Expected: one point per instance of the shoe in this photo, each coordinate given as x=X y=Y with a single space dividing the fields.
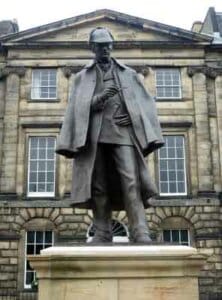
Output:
x=142 y=239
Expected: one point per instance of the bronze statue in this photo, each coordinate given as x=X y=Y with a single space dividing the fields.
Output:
x=109 y=127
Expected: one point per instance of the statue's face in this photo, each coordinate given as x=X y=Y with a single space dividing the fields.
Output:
x=102 y=51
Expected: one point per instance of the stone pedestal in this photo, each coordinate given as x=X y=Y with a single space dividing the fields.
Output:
x=118 y=272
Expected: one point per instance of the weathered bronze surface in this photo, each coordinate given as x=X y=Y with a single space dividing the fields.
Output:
x=109 y=126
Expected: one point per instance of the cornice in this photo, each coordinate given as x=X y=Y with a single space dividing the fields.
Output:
x=69 y=70
x=140 y=44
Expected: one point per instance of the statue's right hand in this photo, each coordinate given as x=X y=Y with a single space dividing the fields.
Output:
x=109 y=92
x=98 y=100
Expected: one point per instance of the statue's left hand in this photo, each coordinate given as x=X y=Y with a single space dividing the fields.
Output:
x=123 y=120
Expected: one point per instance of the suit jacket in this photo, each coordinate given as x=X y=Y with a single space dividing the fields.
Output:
x=74 y=142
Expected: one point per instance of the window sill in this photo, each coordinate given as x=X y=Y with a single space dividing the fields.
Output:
x=43 y=100
x=167 y=197
x=169 y=99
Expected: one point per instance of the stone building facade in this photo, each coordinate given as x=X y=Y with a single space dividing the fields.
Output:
x=181 y=68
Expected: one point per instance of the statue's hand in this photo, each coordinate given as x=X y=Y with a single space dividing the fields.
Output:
x=98 y=100
x=122 y=120
x=109 y=92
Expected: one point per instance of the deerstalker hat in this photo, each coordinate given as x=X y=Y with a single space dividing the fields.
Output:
x=100 y=35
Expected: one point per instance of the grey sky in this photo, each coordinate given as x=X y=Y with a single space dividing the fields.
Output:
x=173 y=12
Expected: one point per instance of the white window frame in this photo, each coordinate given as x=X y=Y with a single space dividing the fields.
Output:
x=178 y=229
x=33 y=97
x=168 y=86
x=28 y=286
x=184 y=169
x=39 y=194
x=116 y=239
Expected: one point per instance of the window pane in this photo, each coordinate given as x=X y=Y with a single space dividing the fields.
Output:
x=171 y=152
x=29 y=277
x=50 y=153
x=50 y=166
x=50 y=187
x=42 y=165
x=166 y=236
x=42 y=153
x=175 y=235
x=33 y=154
x=50 y=176
x=48 y=237
x=172 y=164
x=173 y=188
x=33 y=166
x=41 y=188
x=163 y=164
x=38 y=249
x=32 y=187
x=164 y=187
x=30 y=236
x=34 y=143
x=172 y=176
x=29 y=268
x=184 y=236
x=181 y=187
x=51 y=142
x=171 y=141
x=163 y=152
x=39 y=237
x=163 y=176
x=30 y=249
x=33 y=177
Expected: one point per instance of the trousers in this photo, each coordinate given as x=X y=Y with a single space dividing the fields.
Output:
x=124 y=158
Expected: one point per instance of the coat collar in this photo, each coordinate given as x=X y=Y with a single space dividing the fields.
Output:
x=92 y=63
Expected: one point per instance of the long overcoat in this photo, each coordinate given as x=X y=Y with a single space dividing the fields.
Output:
x=75 y=142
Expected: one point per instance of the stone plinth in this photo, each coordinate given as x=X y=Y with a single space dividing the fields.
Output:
x=118 y=272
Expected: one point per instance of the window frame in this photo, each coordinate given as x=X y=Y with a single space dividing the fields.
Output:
x=28 y=286
x=39 y=194
x=165 y=86
x=116 y=238
x=178 y=229
x=173 y=133
x=47 y=99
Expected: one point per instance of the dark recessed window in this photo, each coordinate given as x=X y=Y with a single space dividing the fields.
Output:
x=178 y=236
x=35 y=242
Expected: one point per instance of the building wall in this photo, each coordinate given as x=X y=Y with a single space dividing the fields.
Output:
x=198 y=116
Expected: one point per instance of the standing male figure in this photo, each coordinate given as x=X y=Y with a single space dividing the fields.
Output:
x=109 y=126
